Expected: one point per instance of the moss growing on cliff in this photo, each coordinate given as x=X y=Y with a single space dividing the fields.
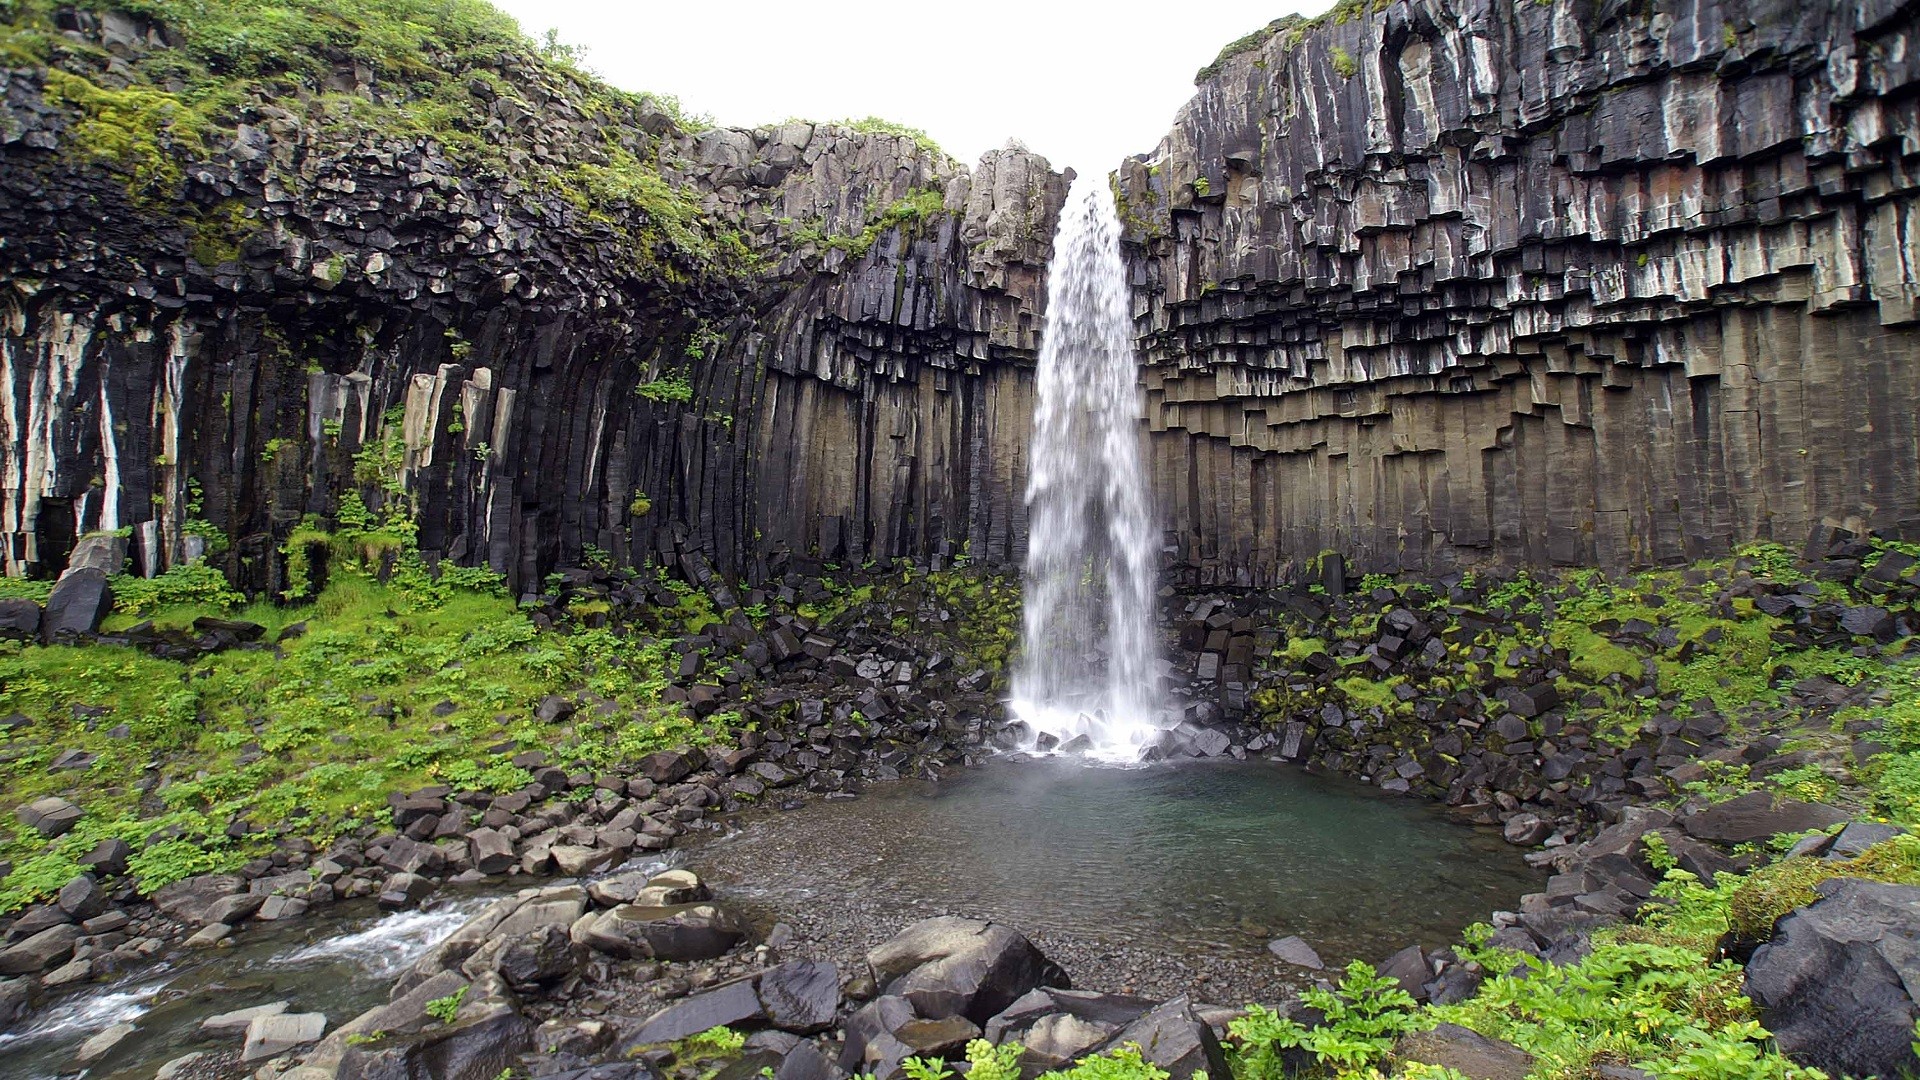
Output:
x=913 y=209
x=157 y=85
x=144 y=132
x=874 y=125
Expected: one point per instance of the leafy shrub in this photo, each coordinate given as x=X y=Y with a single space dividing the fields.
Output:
x=13 y=588
x=192 y=584
x=1897 y=789
x=672 y=386
x=1775 y=562
x=1365 y=1015
x=1649 y=1004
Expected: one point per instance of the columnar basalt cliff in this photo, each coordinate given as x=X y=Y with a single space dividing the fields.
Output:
x=621 y=332
x=1433 y=284
x=1440 y=284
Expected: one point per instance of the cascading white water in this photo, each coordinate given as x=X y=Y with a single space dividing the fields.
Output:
x=1088 y=661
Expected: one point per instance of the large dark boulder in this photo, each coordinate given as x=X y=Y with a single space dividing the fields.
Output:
x=191 y=899
x=1756 y=816
x=1175 y=1039
x=79 y=601
x=19 y=619
x=39 y=952
x=735 y=1003
x=950 y=966
x=527 y=960
x=802 y=995
x=50 y=816
x=699 y=931
x=484 y=1044
x=1838 y=982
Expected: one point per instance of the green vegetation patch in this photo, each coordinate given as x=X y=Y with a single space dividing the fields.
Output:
x=421 y=70
x=391 y=687
x=909 y=211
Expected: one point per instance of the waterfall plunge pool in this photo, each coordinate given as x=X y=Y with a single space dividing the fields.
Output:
x=1161 y=880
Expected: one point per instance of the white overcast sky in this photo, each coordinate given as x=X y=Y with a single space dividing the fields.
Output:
x=1085 y=84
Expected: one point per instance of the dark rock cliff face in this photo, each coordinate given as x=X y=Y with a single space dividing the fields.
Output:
x=852 y=387
x=1444 y=283
x=1436 y=284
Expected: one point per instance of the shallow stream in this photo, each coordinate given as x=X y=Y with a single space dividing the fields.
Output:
x=338 y=962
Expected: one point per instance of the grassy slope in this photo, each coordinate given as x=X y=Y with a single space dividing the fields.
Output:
x=390 y=688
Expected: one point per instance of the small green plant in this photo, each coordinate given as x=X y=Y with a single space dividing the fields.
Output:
x=1123 y=1063
x=446 y=1008
x=1808 y=783
x=639 y=505
x=702 y=343
x=671 y=386
x=986 y=1061
x=719 y=1041
x=919 y=1068
x=1343 y=63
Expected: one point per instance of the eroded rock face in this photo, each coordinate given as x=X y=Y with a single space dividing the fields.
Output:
x=1446 y=284
x=845 y=388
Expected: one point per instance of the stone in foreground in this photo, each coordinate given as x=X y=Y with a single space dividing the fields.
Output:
x=1466 y=1051
x=1837 y=983
x=1172 y=1037
x=949 y=966
x=801 y=996
x=681 y=932
x=273 y=1034
x=1294 y=950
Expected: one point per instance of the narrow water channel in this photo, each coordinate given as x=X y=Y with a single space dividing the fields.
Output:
x=338 y=963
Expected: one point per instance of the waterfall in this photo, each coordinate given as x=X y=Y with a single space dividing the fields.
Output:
x=1088 y=665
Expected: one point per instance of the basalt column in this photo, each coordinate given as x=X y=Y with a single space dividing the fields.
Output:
x=1439 y=284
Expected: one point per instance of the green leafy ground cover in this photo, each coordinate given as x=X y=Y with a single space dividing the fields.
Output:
x=392 y=686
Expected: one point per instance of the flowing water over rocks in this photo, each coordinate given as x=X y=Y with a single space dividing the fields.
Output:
x=339 y=965
x=1162 y=880
x=1091 y=554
